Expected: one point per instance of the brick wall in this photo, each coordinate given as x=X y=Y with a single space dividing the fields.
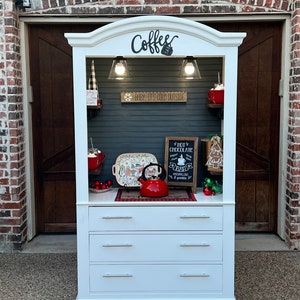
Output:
x=13 y=217
x=148 y=7
x=293 y=160
x=12 y=167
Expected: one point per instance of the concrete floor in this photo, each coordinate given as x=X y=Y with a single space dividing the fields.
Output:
x=259 y=242
x=57 y=243
x=52 y=243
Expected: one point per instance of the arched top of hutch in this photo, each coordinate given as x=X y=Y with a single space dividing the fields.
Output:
x=146 y=36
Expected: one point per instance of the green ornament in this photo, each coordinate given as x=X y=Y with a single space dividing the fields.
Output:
x=208 y=181
x=216 y=188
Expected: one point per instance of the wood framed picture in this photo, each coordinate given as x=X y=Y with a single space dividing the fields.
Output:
x=181 y=160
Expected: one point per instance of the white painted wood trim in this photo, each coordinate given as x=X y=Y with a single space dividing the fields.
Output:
x=137 y=25
x=283 y=140
x=27 y=98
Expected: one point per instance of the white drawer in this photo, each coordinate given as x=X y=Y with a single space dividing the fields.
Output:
x=155 y=278
x=166 y=248
x=155 y=218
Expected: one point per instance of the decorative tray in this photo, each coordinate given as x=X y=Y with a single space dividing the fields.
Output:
x=129 y=167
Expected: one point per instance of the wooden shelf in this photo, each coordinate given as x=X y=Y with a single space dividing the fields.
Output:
x=218 y=108
x=215 y=172
x=92 y=110
x=94 y=107
x=214 y=105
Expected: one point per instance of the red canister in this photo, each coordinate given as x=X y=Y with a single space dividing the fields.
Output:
x=93 y=162
x=216 y=96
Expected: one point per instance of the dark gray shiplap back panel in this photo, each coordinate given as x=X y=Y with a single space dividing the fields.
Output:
x=142 y=127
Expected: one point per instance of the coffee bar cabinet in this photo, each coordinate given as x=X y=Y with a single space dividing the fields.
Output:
x=155 y=250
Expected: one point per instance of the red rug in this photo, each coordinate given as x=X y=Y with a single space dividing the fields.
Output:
x=126 y=195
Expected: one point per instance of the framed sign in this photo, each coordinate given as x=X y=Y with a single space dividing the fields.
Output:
x=181 y=160
x=134 y=97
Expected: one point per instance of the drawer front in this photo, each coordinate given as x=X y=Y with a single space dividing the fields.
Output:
x=152 y=278
x=166 y=248
x=155 y=218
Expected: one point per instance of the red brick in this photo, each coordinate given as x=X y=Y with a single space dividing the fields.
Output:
x=10 y=205
x=9 y=221
x=4 y=181
x=168 y=10
x=129 y=2
x=5 y=229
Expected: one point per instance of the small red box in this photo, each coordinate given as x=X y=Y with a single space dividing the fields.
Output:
x=216 y=96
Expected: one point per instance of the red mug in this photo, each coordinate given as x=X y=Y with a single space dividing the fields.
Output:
x=216 y=96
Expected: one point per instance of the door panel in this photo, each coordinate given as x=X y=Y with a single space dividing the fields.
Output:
x=258 y=131
x=257 y=125
x=53 y=129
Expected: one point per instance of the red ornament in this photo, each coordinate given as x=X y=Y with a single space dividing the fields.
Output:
x=96 y=185
x=104 y=186
x=109 y=182
x=207 y=191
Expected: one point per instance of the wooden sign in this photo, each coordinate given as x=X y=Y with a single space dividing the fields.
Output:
x=91 y=97
x=134 y=97
x=181 y=160
x=215 y=155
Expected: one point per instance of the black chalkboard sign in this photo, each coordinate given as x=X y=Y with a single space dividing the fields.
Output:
x=181 y=160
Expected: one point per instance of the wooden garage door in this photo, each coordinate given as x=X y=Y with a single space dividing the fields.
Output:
x=257 y=125
x=53 y=129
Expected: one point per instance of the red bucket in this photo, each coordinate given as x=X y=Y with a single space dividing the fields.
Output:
x=95 y=162
x=216 y=96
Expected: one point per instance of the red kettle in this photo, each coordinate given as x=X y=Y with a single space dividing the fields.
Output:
x=155 y=187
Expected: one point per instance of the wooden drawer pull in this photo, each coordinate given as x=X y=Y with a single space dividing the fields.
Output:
x=203 y=275
x=195 y=217
x=116 y=245
x=117 y=275
x=195 y=245
x=116 y=217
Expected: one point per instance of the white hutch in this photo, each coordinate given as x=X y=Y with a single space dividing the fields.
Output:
x=155 y=250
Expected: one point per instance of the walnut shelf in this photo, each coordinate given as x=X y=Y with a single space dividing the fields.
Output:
x=214 y=105
x=93 y=110
x=219 y=108
x=94 y=106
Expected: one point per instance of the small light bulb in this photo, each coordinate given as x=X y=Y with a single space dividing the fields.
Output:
x=189 y=68
x=120 y=69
